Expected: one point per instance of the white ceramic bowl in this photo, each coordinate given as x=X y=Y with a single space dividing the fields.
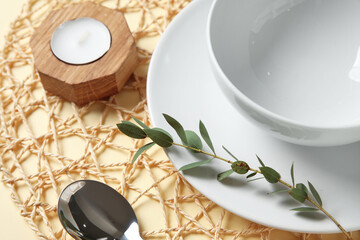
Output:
x=291 y=66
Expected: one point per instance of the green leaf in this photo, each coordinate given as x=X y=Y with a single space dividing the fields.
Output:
x=177 y=127
x=205 y=135
x=315 y=194
x=240 y=167
x=141 y=150
x=140 y=122
x=305 y=209
x=270 y=174
x=255 y=179
x=195 y=164
x=165 y=132
x=261 y=162
x=131 y=130
x=302 y=187
x=193 y=140
x=251 y=175
x=292 y=175
x=298 y=194
x=223 y=175
x=159 y=136
x=230 y=153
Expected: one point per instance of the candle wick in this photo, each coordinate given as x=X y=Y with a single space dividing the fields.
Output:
x=83 y=37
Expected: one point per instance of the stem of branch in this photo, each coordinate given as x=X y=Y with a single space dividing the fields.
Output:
x=331 y=217
x=280 y=181
x=203 y=152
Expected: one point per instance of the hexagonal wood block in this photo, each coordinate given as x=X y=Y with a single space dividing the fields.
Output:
x=84 y=83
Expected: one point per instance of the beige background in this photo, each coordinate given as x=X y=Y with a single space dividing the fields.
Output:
x=12 y=225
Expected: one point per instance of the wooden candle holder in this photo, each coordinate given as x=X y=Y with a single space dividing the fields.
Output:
x=96 y=80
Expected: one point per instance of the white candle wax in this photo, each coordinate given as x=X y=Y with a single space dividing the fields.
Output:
x=80 y=41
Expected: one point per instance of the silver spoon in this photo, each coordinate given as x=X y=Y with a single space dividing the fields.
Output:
x=91 y=210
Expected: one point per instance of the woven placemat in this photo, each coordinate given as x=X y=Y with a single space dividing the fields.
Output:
x=47 y=142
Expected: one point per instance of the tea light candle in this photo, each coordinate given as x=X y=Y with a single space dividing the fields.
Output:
x=80 y=41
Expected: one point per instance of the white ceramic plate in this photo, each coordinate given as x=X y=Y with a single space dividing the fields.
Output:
x=180 y=84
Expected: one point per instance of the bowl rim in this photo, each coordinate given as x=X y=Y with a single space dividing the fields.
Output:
x=258 y=108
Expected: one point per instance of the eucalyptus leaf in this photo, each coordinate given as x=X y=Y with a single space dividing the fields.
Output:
x=163 y=131
x=193 y=140
x=223 y=175
x=140 y=122
x=270 y=174
x=232 y=155
x=305 y=209
x=292 y=174
x=260 y=161
x=195 y=164
x=177 y=127
x=251 y=175
x=298 y=194
x=302 y=187
x=141 y=150
x=240 y=167
x=205 y=135
x=315 y=194
x=131 y=130
x=159 y=136
x=255 y=179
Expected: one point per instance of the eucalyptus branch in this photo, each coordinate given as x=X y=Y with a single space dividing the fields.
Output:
x=191 y=141
x=332 y=218
x=319 y=207
x=203 y=152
